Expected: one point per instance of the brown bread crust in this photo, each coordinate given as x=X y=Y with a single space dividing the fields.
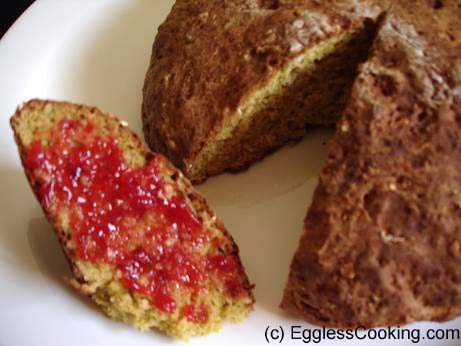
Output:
x=210 y=56
x=382 y=238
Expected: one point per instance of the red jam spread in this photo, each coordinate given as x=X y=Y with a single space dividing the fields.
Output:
x=130 y=218
x=195 y=314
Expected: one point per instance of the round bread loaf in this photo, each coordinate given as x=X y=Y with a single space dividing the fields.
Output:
x=231 y=81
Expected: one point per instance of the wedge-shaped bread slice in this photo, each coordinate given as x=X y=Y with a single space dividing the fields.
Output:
x=382 y=238
x=231 y=81
x=142 y=243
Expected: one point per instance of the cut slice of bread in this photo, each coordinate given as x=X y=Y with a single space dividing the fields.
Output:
x=141 y=242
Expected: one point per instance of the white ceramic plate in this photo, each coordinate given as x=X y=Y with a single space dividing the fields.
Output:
x=96 y=52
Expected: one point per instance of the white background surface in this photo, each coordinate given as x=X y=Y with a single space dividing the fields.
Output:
x=96 y=52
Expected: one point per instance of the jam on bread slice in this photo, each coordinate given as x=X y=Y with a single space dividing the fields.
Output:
x=141 y=242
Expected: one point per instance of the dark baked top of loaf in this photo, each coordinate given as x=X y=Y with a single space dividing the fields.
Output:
x=209 y=56
x=382 y=241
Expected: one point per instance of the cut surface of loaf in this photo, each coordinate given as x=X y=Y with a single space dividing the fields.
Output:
x=382 y=238
x=231 y=81
x=141 y=242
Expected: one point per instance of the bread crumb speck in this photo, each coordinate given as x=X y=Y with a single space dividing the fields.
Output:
x=298 y=23
x=390 y=238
